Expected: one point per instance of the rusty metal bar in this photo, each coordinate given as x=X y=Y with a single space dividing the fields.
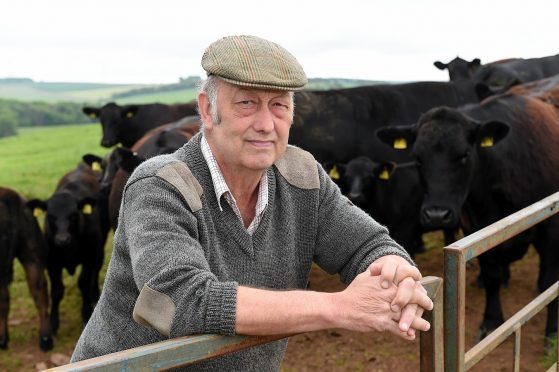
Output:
x=454 y=309
x=188 y=350
x=516 y=352
x=432 y=343
x=495 y=338
x=458 y=253
x=494 y=234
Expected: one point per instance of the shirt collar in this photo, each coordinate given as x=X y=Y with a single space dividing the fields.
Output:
x=220 y=186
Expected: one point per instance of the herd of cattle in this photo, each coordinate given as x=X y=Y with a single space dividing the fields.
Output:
x=418 y=157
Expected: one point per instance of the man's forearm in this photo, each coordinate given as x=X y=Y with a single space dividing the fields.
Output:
x=267 y=312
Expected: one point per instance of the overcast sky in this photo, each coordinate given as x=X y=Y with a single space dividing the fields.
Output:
x=126 y=41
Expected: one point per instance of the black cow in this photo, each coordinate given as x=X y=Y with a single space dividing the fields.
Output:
x=487 y=161
x=162 y=140
x=338 y=125
x=127 y=124
x=21 y=237
x=75 y=236
x=458 y=68
x=372 y=187
x=498 y=77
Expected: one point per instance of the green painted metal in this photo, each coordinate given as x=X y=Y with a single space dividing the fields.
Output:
x=188 y=350
x=455 y=257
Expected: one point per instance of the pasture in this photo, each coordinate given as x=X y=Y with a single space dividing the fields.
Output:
x=32 y=163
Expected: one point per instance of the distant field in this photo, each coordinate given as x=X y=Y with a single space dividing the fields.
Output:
x=55 y=92
x=176 y=96
x=33 y=161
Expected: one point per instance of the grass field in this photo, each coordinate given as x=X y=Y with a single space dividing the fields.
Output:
x=32 y=163
x=55 y=92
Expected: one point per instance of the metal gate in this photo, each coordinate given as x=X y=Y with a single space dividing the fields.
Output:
x=189 y=350
x=455 y=257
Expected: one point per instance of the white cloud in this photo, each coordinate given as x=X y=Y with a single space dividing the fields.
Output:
x=141 y=41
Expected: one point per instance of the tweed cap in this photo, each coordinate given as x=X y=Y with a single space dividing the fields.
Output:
x=253 y=62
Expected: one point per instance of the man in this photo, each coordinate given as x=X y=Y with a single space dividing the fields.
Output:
x=219 y=237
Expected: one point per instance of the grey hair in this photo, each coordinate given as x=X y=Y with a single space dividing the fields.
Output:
x=210 y=86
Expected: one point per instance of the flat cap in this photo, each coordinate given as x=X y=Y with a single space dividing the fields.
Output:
x=253 y=62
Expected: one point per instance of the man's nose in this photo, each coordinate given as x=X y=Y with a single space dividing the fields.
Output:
x=264 y=121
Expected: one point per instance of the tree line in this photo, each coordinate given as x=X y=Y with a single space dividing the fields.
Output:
x=17 y=114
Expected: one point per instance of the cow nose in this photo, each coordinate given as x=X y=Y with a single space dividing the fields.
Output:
x=62 y=239
x=437 y=217
x=356 y=198
x=106 y=143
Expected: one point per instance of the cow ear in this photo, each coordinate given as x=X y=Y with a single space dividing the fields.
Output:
x=490 y=133
x=399 y=138
x=384 y=171
x=37 y=206
x=474 y=64
x=87 y=204
x=94 y=161
x=335 y=170
x=440 y=65
x=128 y=160
x=92 y=112
x=130 y=111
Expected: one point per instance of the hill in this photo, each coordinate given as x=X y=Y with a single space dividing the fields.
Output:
x=24 y=89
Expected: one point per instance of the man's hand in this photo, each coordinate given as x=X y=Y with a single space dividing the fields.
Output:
x=411 y=298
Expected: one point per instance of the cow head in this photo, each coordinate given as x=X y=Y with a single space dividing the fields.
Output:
x=112 y=117
x=494 y=79
x=357 y=179
x=446 y=145
x=458 y=68
x=64 y=216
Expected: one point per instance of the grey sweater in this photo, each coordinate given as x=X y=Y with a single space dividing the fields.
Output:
x=177 y=259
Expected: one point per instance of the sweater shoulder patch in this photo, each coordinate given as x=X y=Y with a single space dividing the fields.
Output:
x=179 y=175
x=299 y=168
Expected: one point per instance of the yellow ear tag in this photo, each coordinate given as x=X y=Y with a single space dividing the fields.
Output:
x=87 y=209
x=384 y=175
x=129 y=115
x=96 y=166
x=487 y=142
x=400 y=143
x=37 y=212
x=334 y=173
x=93 y=115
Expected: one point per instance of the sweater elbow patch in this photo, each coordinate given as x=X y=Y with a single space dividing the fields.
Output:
x=154 y=309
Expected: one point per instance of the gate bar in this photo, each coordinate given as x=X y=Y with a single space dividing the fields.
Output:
x=458 y=253
x=182 y=351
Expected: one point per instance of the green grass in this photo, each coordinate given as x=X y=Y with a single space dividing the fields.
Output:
x=32 y=163
x=35 y=159
x=56 y=92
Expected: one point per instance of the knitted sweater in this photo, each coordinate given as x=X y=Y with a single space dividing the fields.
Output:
x=177 y=259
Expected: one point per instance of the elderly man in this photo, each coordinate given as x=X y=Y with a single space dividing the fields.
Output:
x=219 y=237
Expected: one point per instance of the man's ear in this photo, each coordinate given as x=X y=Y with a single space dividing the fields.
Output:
x=204 y=108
